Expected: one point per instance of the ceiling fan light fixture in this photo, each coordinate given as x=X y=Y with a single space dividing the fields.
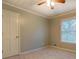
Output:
x=50 y=3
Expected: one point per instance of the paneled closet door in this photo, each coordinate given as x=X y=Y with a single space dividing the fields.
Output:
x=11 y=40
x=14 y=33
x=6 y=33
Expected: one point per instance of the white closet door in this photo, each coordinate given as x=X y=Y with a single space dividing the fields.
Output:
x=14 y=33
x=6 y=33
x=11 y=45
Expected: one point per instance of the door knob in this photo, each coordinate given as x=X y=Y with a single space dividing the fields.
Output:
x=17 y=36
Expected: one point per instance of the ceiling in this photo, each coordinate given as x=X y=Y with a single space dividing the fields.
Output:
x=43 y=10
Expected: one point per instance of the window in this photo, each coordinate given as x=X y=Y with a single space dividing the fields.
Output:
x=68 y=31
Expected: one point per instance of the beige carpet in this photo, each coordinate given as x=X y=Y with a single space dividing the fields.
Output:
x=47 y=53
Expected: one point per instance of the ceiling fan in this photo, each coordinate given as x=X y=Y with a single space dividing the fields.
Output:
x=50 y=3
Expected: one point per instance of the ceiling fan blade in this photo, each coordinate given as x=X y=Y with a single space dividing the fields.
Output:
x=59 y=1
x=41 y=3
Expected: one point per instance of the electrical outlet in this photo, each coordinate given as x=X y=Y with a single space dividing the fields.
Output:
x=54 y=44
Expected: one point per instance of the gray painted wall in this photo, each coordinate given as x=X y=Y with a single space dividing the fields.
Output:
x=33 y=29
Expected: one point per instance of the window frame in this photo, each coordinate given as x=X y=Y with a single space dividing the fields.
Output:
x=61 y=40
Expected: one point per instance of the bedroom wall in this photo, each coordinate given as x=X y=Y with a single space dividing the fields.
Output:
x=33 y=29
x=55 y=30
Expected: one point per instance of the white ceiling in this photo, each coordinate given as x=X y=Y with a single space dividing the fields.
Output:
x=31 y=5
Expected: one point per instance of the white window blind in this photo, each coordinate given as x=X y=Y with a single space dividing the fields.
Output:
x=68 y=31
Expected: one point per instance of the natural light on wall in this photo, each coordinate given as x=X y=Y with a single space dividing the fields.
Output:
x=68 y=31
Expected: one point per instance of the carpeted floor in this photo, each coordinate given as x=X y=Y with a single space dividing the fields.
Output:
x=47 y=53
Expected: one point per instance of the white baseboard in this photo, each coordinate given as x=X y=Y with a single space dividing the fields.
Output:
x=64 y=49
x=26 y=52
x=30 y=51
x=34 y=50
